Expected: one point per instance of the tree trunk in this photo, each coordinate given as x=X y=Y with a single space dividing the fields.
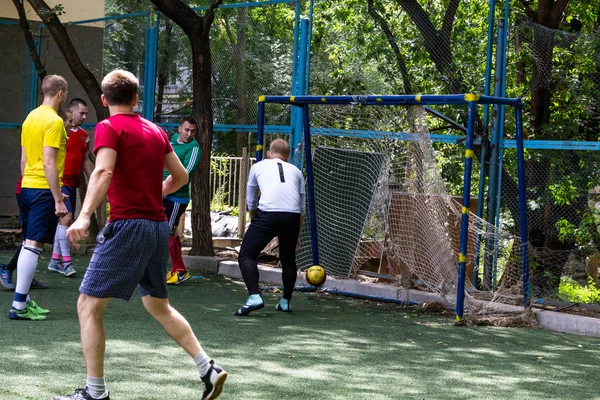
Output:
x=24 y=24
x=164 y=68
x=82 y=73
x=385 y=27
x=198 y=31
x=202 y=111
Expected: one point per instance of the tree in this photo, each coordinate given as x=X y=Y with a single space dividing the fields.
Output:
x=24 y=24
x=82 y=73
x=197 y=29
x=61 y=37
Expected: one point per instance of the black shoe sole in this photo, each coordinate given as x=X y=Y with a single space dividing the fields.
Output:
x=245 y=311
x=278 y=308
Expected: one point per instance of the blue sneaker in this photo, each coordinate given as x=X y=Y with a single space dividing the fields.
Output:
x=254 y=302
x=6 y=277
x=68 y=270
x=284 y=305
x=56 y=267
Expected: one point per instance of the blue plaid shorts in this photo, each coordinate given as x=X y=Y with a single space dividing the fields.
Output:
x=129 y=253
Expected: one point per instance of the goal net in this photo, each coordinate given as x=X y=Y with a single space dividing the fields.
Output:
x=388 y=207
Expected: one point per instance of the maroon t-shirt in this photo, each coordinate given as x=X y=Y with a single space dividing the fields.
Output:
x=135 y=190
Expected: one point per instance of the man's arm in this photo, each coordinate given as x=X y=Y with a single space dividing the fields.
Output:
x=252 y=190
x=191 y=161
x=23 y=160
x=96 y=192
x=51 y=173
x=178 y=177
x=88 y=167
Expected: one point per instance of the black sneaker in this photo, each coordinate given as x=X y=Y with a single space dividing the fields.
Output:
x=213 y=382
x=81 y=394
x=38 y=285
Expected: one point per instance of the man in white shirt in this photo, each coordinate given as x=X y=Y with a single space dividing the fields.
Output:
x=279 y=212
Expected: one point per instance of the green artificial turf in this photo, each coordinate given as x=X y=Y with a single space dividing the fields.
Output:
x=330 y=347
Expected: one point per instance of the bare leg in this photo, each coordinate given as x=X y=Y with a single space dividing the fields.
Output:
x=173 y=323
x=93 y=339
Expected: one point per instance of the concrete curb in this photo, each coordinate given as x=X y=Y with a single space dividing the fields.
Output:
x=556 y=321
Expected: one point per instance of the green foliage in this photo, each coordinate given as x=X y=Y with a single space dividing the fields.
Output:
x=571 y=291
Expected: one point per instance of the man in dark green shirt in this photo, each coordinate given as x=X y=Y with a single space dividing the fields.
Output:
x=188 y=151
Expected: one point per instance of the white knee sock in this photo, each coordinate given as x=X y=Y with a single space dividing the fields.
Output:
x=26 y=266
x=56 y=248
x=65 y=246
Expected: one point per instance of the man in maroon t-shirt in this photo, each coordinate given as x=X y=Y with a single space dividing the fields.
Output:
x=133 y=248
x=76 y=162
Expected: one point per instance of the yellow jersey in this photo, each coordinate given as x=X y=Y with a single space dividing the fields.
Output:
x=42 y=128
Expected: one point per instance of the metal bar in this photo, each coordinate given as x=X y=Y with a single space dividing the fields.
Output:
x=294 y=114
x=464 y=223
x=445 y=118
x=109 y=18
x=296 y=137
x=260 y=129
x=150 y=68
x=522 y=206
x=393 y=100
x=257 y=4
x=310 y=187
x=494 y=171
x=484 y=147
x=308 y=46
x=26 y=89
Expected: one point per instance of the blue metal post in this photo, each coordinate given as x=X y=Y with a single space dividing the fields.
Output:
x=150 y=68
x=308 y=47
x=294 y=112
x=260 y=129
x=34 y=77
x=26 y=89
x=498 y=121
x=296 y=137
x=485 y=141
x=522 y=205
x=310 y=187
x=464 y=223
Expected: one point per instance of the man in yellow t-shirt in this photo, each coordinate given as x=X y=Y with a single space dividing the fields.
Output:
x=43 y=141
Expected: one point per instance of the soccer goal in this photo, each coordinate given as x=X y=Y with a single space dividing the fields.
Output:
x=381 y=205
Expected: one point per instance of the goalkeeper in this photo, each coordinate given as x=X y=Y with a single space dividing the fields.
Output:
x=280 y=212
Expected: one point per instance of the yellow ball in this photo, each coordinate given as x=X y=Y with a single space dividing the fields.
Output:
x=316 y=275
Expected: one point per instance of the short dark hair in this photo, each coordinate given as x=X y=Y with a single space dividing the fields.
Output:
x=52 y=84
x=189 y=120
x=120 y=87
x=76 y=102
x=64 y=113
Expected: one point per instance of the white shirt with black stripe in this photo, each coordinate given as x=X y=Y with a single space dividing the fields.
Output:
x=281 y=186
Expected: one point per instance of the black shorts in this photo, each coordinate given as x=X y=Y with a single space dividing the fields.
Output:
x=174 y=212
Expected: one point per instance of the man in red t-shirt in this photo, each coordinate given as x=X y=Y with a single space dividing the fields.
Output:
x=76 y=162
x=133 y=249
